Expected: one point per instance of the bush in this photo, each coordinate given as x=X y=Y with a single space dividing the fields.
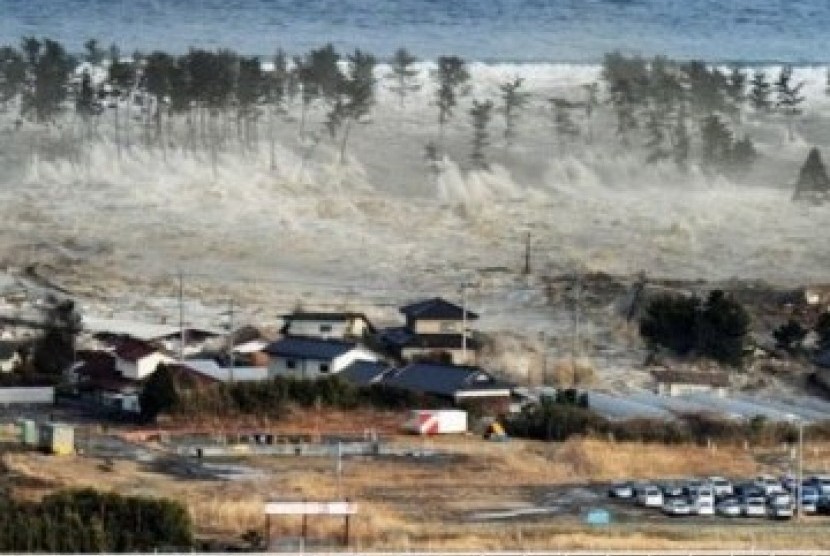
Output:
x=715 y=329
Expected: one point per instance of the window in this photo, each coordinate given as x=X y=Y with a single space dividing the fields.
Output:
x=324 y=368
x=290 y=364
x=325 y=328
x=449 y=326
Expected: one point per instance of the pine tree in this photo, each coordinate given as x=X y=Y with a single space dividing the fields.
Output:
x=743 y=155
x=562 y=121
x=655 y=128
x=813 y=183
x=403 y=74
x=716 y=143
x=681 y=143
x=481 y=114
x=513 y=100
x=12 y=74
x=451 y=79
x=760 y=92
x=357 y=96
x=736 y=89
x=789 y=97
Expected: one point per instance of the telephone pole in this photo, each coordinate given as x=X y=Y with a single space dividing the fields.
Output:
x=527 y=254
x=464 y=322
x=181 y=316
x=575 y=338
x=230 y=341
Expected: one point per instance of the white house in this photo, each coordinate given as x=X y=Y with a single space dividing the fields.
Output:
x=211 y=369
x=341 y=326
x=138 y=360
x=305 y=357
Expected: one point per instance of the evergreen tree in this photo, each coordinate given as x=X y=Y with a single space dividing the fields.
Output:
x=513 y=101
x=681 y=143
x=743 y=155
x=789 y=97
x=250 y=90
x=403 y=74
x=159 y=394
x=723 y=327
x=357 y=96
x=451 y=79
x=94 y=53
x=655 y=128
x=158 y=81
x=12 y=74
x=563 y=123
x=760 y=92
x=48 y=67
x=481 y=114
x=736 y=89
x=813 y=182
x=85 y=102
x=716 y=143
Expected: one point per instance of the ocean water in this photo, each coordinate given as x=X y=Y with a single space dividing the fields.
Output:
x=792 y=31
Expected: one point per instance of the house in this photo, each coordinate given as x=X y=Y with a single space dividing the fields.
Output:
x=97 y=380
x=137 y=360
x=306 y=357
x=679 y=383
x=436 y=330
x=341 y=326
x=460 y=384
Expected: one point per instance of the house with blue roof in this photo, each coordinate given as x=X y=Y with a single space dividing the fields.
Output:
x=435 y=329
x=308 y=357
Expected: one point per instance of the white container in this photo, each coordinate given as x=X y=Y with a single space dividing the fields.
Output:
x=436 y=421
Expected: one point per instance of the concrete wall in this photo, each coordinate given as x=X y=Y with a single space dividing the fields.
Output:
x=27 y=395
x=312 y=368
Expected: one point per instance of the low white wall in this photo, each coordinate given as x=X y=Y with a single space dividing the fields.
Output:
x=27 y=395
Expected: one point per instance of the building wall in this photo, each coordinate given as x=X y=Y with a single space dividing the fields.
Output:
x=421 y=326
x=457 y=355
x=312 y=368
x=27 y=395
x=144 y=367
x=352 y=328
x=671 y=389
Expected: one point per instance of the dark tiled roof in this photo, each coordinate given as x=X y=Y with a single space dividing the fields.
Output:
x=133 y=350
x=364 y=373
x=823 y=359
x=436 y=308
x=303 y=347
x=8 y=348
x=715 y=380
x=444 y=380
x=405 y=338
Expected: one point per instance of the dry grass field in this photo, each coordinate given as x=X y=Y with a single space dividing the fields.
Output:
x=428 y=503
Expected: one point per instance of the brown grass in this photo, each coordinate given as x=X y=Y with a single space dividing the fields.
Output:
x=421 y=504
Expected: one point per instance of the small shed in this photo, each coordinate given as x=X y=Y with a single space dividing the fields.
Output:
x=57 y=439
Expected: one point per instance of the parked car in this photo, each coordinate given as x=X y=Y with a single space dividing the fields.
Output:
x=780 y=498
x=720 y=486
x=823 y=505
x=650 y=497
x=809 y=500
x=754 y=506
x=821 y=483
x=768 y=484
x=780 y=509
x=789 y=482
x=672 y=490
x=677 y=507
x=621 y=490
x=744 y=490
x=729 y=507
x=690 y=486
x=704 y=506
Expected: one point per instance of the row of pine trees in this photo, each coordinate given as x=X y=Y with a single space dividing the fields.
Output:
x=680 y=111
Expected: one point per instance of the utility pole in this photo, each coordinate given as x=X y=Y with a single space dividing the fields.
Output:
x=527 y=254
x=230 y=341
x=181 y=315
x=575 y=337
x=464 y=322
x=799 y=487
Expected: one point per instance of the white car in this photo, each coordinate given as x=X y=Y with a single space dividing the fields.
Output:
x=820 y=483
x=650 y=497
x=677 y=507
x=720 y=486
x=704 y=506
x=729 y=508
x=769 y=484
x=779 y=510
x=621 y=490
x=754 y=506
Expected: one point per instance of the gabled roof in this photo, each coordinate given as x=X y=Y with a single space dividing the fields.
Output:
x=436 y=309
x=133 y=350
x=452 y=381
x=364 y=373
x=715 y=380
x=303 y=347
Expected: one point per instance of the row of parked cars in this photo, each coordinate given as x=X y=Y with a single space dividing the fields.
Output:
x=764 y=496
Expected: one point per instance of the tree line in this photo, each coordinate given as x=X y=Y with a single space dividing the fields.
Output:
x=668 y=109
x=88 y=521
